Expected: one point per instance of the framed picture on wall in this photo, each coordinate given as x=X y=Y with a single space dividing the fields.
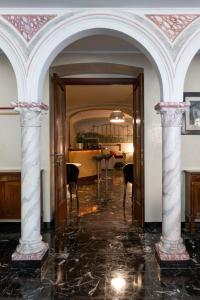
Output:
x=191 y=124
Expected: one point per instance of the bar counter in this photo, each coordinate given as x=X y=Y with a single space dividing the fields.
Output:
x=86 y=159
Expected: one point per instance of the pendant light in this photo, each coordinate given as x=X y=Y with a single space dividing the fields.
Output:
x=117 y=116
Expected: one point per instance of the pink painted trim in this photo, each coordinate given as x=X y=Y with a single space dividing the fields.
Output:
x=173 y=25
x=30 y=257
x=6 y=108
x=29 y=105
x=28 y=25
x=161 y=105
x=184 y=256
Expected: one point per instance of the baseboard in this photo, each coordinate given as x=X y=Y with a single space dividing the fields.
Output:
x=156 y=227
x=48 y=226
x=10 y=227
x=15 y=227
x=153 y=227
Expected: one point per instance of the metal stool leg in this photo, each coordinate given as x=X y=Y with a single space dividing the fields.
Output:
x=98 y=170
x=132 y=197
x=76 y=190
x=70 y=191
x=106 y=165
x=125 y=186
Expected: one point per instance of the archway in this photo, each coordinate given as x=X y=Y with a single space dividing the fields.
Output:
x=82 y=25
x=117 y=24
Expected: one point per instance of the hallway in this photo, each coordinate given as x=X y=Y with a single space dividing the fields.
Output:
x=99 y=254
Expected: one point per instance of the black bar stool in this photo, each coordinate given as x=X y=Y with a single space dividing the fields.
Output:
x=72 y=178
x=128 y=177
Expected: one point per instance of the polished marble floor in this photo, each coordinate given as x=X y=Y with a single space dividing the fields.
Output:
x=101 y=254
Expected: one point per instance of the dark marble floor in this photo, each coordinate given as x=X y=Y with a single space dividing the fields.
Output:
x=100 y=253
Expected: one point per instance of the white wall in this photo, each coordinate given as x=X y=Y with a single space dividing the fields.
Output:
x=9 y=123
x=191 y=143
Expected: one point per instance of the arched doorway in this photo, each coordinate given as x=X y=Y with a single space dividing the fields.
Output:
x=107 y=23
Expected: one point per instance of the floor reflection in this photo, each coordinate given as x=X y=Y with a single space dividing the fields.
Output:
x=100 y=253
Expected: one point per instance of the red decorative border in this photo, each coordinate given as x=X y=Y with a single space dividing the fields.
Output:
x=29 y=105
x=172 y=25
x=161 y=105
x=28 y=25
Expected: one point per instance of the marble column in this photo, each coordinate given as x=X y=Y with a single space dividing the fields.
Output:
x=171 y=247
x=31 y=247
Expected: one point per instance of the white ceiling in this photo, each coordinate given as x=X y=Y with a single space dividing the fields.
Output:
x=99 y=3
x=115 y=95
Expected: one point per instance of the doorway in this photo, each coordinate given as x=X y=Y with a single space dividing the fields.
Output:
x=60 y=144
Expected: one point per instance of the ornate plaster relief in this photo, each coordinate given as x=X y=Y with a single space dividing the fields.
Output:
x=28 y=25
x=172 y=25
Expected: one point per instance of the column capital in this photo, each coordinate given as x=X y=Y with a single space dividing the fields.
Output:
x=30 y=112
x=172 y=112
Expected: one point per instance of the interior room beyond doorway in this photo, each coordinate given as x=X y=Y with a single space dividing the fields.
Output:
x=88 y=132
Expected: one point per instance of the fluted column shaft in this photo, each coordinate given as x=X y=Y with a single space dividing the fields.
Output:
x=171 y=118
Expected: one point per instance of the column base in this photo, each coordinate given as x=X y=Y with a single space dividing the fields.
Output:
x=169 y=260
x=33 y=260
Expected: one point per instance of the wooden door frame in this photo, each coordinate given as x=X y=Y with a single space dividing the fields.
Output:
x=53 y=93
x=98 y=81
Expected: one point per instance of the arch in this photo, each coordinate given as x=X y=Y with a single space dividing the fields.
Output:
x=98 y=107
x=183 y=60
x=17 y=59
x=89 y=23
x=99 y=67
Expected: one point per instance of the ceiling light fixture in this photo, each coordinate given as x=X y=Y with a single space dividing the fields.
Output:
x=117 y=116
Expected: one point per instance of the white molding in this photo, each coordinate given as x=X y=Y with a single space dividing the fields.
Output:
x=87 y=23
x=17 y=58
x=64 y=10
x=186 y=54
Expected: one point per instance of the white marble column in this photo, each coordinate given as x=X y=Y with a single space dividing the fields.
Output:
x=170 y=247
x=31 y=246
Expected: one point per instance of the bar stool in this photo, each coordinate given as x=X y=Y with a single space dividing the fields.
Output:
x=128 y=177
x=107 y=158
x=99 y=158
x=72 y=178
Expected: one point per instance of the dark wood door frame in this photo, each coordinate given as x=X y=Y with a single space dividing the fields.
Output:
x=110 y=81
x=57 y=151
x=98 y=81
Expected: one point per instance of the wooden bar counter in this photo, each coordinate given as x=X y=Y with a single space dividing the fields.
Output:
x=88 y=167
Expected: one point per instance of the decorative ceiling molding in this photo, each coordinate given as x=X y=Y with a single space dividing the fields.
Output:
x=173 y=25
x=28 y=25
